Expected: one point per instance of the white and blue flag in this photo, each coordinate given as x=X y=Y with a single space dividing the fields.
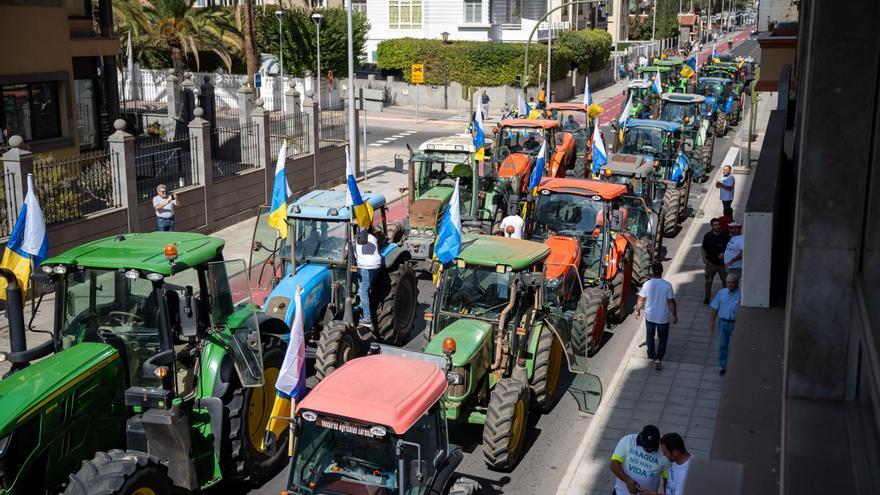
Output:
x=479 y=135
x=600 y=156
x=448 y=244
x=28 y=244
x=588 y=98
x=538 y=171
x=657 y=86
x=291 y=380
x=523 y=108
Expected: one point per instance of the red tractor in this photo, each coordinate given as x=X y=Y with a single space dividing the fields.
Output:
x=516 y=148
x=591 y=253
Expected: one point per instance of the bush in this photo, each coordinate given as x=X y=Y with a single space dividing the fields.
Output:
x=588 y=49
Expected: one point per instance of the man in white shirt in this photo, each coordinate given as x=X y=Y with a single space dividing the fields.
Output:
x=637 y=464
x=733 y=253
x=726 y=186
x=164 y=204
x=679 y=459
x=658 y=299
x=512 y=226
x=369 y=260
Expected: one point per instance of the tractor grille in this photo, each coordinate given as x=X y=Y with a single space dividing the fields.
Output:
x=423 y=213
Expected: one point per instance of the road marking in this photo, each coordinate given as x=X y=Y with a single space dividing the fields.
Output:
x=391 y=138
x=409 y=132
x=383 y=141
x=730 y=158
x=376 y=144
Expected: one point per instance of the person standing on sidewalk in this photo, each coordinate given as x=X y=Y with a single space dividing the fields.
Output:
x=672 y=446
x=164 y=205
x=368 y=262
x=712 y=250
x=484 y=102
x=637 y=464
x=733 y=252
x=658 y=299
x=724 y=306
x=726 y=186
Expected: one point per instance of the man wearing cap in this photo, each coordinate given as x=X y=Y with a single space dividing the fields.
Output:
x=733 y=252
x=637 y=463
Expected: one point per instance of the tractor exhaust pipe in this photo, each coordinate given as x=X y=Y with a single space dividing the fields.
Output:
x=502 y=322
x=14 y=311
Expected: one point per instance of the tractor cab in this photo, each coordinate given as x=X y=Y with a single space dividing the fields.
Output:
x=667 y=74
x=517 y=144
x=677 y=84
x=574 y=118
x=643 y=99
x=155 y=334
x=377 y=426
x=717 y=90
x=699 y=136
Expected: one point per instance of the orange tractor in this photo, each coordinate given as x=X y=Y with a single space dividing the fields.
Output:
x=589 y=269
x=574 y=119
x=516 y=148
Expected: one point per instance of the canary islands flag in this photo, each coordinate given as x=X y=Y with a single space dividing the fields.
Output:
x=28 y=243
x=689 y=68
x=479 y=135
x=523 y=108
x=448 y=244
x=280 y=192
x=538 y=171
x=714 y=56
x=592 y=109
x=657 y=86
x=624 y=116
x=361 y=210
x=600 y=156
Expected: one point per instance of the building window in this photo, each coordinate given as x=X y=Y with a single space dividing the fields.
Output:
x=405 y=14
x=609 y=8
x=30 y=110
x=359 y=6
x=86 y=112
x=473 y=11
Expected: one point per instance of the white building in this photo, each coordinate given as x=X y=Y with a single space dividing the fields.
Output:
x=471 y=20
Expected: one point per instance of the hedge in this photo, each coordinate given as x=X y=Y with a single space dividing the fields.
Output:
x=480 y=63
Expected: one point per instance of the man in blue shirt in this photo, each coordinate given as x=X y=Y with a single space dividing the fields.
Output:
x=724 y=306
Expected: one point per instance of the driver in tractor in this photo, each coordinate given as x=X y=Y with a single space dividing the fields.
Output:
x=570 y=124
x=532 y=144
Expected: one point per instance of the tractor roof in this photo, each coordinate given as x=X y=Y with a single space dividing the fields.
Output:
x=567 y=106
x=144 y=251
x=683 y=98
x=583 y=187
x=322 y=204
x=627 y=165
x=455 y=142
x=640 y=84
x=660 y=124
x=669 y=62
x=722 y=80
x=532 y=123
x=387 y=390
x=721 y=65
x=491 y=251
x=655 y=68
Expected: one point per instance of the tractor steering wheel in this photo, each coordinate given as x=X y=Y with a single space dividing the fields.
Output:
x=126 y=318
x=354 y=461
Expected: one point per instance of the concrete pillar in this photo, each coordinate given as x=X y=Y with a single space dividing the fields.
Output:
x=260 y=117
x=122 y=157
x=311 y=116
x=172 y=89
x=292 y=100
x=245 y=104
x=19 y=163
x=201 y=162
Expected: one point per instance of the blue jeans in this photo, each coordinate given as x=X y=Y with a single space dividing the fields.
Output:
x=662 y=330
x=368 y=276
x=165 y=224
x=725 y=332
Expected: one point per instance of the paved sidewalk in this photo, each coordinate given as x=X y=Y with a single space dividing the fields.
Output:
x=684 y=397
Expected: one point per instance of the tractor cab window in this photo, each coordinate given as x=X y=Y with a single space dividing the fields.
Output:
x=110 y=307
x=643 y=141
x=676 y=112
x=573 y=215
x=571 y=120
x=319 y=240
x=475 y=291
x=522 y=140
x=440 y=169
x=640 y=95
x=334 y=456
x=710 y=88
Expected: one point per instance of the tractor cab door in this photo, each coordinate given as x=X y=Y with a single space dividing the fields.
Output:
x=268 y=252
x=563 y=303
x=234 y=319
x=641 y=219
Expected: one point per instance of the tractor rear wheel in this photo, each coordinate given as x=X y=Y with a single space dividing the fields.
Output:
x=671 y=199
x=548 y=368
x=721 y=125
x=337 y=345
x=120 y=473
x=621 y=286
x=641 y=264
x=684 y=199
x=396 y=311
x=506 y=420
x=248 y=410
x=707 y=152
x=589 y=323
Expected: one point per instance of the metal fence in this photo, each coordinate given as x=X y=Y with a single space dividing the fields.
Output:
x=7 y=217
x=165 y=162
x=294 y=128
x=332 y=128
x=233 y=150
x=75 y=187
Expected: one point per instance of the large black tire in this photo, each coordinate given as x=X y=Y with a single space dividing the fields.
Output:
x=337 y=345
x=120 y=473
x=670 y=211
x=465 y=486
x=721 y=124
x=707 y=154
x=548 y=368
x=506 y=420
x=396 y=306
x=621 y=287
x=641 y=264
x=684 y=196
x=589 y=319
x=242 y=457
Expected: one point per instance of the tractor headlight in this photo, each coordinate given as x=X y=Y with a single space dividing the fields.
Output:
x=415 y=232
x=47 y=269
x=59 y=269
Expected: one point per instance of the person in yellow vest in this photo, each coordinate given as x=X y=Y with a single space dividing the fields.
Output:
x=542 y=100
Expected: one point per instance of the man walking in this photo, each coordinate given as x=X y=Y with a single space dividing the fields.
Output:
x=672 y=446
x=733 y=252
x=724 y=306
x=368 y=262
x=636 y=462
x=725 y=186
x=164 y=205
x=484 y=103
x=658 y=299
x=712 y=250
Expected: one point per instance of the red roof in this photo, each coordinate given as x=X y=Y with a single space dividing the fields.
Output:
x=585 y=187
x=385 y=390
x=567 y=106
x=535 y=123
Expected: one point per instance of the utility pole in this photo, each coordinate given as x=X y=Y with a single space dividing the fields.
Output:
x=654 y=24
x=352 y=120
x=549 y=46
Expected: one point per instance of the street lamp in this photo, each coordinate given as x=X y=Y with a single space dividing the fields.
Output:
x=317 y=19
x=445 y=37
x=279 y=14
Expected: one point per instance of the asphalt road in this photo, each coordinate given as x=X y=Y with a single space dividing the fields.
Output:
x=552 y=437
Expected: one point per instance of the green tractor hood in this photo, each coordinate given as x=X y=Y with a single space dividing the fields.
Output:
x=470 y=336
x=426 y=211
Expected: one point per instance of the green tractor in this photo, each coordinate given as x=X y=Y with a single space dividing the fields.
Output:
x=158 y=379
x=699 y=133
x=644 y=101
x=433 y=170
x=511 y=344
x=677 y=83
x=669 y=76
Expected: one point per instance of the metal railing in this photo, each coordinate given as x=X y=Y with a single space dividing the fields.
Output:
x=294 y=128
x=165 y=162
x=75 y=187
x=7 y=214
x=233 y=150
x=332 y=128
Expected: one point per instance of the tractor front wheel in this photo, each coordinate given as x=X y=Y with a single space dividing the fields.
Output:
x=721 y=125
x=671 y=201
x=506 y=419
x=396 y=311
x=707 y=152
x=337 y=345
x=548 y=368
x=684 y=199
x=120 y=473
x=622 y=286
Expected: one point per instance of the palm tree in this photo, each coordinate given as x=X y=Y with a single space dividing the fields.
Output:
x=177 y=26
x=250 y=41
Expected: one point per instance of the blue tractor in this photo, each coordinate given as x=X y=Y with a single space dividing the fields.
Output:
x=317 y=256
x=722 y=106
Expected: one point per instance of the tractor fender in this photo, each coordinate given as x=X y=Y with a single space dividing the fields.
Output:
x=270 y=325
x=216 y=371
x=395 y=256
x=444 y=474
x=534 y=339
x=618 y=248
x=315 y=281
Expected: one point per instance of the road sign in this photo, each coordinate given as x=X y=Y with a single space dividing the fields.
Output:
x=370 y=100
x=418 y=74
x=258 y=80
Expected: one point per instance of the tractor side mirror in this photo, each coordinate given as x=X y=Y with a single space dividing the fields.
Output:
x=258 y=245
x=617 y=220
x=188 y=322
x=42 y=282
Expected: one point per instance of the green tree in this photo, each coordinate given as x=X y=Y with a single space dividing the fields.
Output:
x=588 y=49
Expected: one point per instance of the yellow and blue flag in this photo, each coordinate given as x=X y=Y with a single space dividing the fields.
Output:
x=361 y=210
x=689 y=68
x=479 y=135
x=448 y=245
x=280 y=192
x=592 y=109
x=28 y=243
x=714 y=56
x=600 y=156
x=538 y=171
